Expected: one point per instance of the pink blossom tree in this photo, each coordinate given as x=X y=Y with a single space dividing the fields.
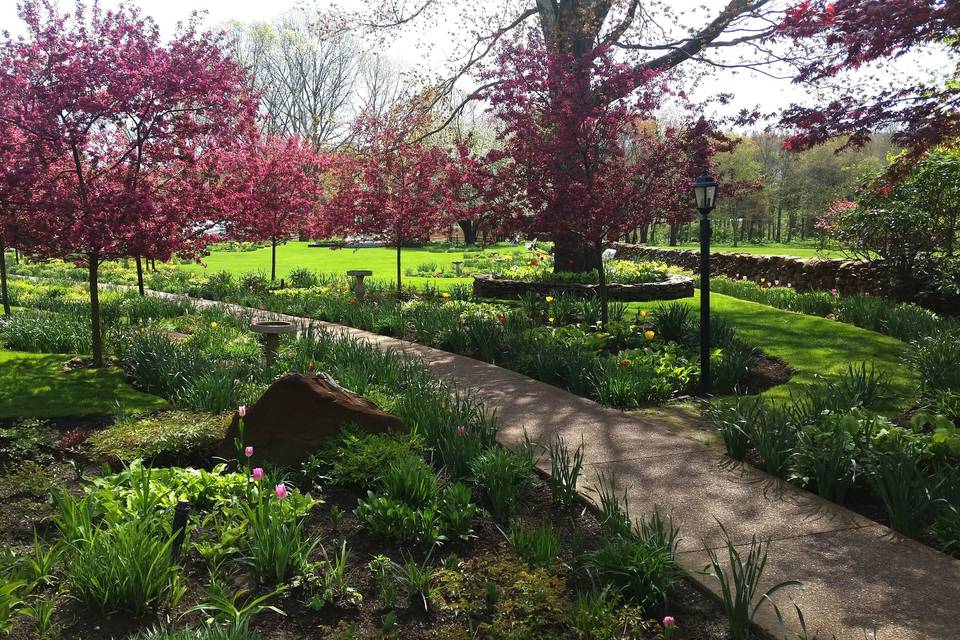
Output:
x=583 y=159
x=105 y=109
x=277 y=187
x=394 y=188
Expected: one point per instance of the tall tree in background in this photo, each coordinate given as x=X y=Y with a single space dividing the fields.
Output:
x=103 y=107
x=568 y=159
x=276 y=186
x=394 y=189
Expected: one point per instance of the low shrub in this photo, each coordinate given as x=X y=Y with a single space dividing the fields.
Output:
x=538 y=546
x=175 y=434
x=503 y=476
x=457 y=511
x=359 y=460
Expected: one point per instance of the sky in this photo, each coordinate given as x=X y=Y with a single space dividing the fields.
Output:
x=749 y=89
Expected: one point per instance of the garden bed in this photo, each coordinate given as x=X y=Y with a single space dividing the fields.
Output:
x=673 y=287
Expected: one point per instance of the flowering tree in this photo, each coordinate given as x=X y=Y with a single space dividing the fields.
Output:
x=394 y=188
x=105 y=111
x=276 y=184
x=581 y=153
x=855 y=33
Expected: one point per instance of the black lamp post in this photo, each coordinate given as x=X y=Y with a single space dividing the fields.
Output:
x=705 y=192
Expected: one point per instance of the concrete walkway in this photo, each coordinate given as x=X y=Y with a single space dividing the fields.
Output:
x=860 y=579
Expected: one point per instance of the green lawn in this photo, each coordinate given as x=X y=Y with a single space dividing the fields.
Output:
x=382 y=261
x=35 y=385
x=813 y=345
x=768 y=250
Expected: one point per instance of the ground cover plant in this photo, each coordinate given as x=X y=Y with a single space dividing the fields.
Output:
x=266 y=552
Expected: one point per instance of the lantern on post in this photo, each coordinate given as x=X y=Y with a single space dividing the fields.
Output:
x=705 y=194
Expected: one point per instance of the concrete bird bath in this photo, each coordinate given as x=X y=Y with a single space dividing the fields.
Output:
x=458 y=264
x=358 y=275
x=271 y=330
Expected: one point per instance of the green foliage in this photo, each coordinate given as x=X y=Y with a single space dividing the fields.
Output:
x=326 y=581
x=641 y=567
x=278 y=545
x=394 y=520
x=457 y=512
x=11 y=598
x=897 y=478
x=739 y=583
x=411 y=481
x=172 y=434
x=45 y=332
x=828 y=453
x=416 y=584
x=504 y=477
x=614 y=509
x=602 y=614
x=565 y=469
x=946 y=530
x=674 y=321
x=538 y=546
x=937 y=358
x=358 y=460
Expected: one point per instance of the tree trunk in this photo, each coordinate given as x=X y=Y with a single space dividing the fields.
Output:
x=602 y=279
x=674 y=231
x=16 y=255
x=140 y=275
x=96 y=339
x=779 y=217
x=469 y=232
x=399 y=286
x=644 y=233
x=571 y=254
x=273 y=259
x=4 y=293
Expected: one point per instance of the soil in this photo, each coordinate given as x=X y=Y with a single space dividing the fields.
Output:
x=765 y=372
x=699 y=616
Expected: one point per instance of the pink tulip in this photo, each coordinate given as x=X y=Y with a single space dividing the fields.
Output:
x=248 y=452
x=281 y=491
x=668 y=621
x=242 y=410
x=258 y=474
x=461 y=430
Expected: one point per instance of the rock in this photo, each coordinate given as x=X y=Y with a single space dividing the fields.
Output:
x=298 y=414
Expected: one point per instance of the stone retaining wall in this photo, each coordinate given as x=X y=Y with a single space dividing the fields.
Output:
x=674 y=287
x=822 y=274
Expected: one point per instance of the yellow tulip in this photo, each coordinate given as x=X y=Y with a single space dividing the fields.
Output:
x=649 y=335
x=444 y=295
x=644 y=313
x=549 y=299
x=214 y=325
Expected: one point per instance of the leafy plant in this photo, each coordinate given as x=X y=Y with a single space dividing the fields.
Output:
x=395 y=520
x=565 y=469
x=277 y=545
x=642 y=569
x=740 y=581
x=457 y=512
x=411 y=481
x=226 y=616
x=538 y=546
x=614 y=510
x=503 y=476
x=897 y=478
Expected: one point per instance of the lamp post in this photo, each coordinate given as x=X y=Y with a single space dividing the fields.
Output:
x=705 y=193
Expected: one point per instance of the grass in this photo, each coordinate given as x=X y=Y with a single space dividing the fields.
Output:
x=382 y=261
x=766 y=250
x=812 y=345
x=36 y=385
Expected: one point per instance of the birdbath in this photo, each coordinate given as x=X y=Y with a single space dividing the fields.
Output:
x=271 y=330
x=358 y=275
x=456 y=264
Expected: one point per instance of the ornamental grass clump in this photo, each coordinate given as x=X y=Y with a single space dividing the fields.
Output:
x=277 y=545
x=739 y=583
x=504 y=477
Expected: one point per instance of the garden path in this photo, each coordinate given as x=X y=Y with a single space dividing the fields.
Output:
x=860 y=579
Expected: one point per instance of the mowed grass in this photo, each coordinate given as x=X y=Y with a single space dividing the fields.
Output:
x=36 y=385
x=382 y=261
x=767 y=250
x=815 y=346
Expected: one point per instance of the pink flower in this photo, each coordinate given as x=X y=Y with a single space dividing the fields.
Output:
x=461 y=430
x=834 y=292
x=257 y=474
x=248 y=452
x=280 y=491
x=242 y=410
x=668 y=621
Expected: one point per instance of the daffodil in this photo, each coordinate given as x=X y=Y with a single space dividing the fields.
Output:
x=550 y=319
x=444 y=295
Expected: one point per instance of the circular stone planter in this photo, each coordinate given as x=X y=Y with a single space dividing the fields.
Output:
x=271 y=330
x=673 y=287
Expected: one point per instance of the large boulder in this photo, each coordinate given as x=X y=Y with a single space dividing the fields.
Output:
x=298 y=414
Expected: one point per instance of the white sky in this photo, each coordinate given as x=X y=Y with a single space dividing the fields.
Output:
x=749 y=88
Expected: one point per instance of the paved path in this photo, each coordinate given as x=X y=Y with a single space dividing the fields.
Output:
x=857 y=575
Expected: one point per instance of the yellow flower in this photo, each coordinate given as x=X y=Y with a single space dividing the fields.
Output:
x=444 y=295
x=549 y=299
x=346 y=289
x=550 y=320
x=214 y=325
x=644 y=313
x=649 y=335
x=324 y=289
